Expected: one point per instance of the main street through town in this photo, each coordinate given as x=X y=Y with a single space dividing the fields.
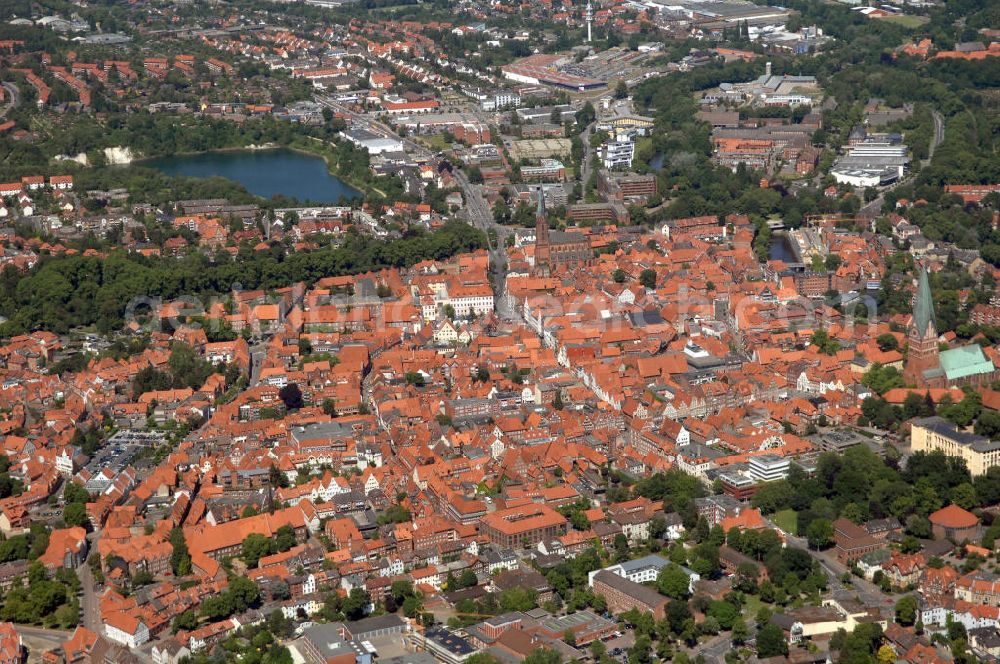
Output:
x=12 y=95
x=476 y=210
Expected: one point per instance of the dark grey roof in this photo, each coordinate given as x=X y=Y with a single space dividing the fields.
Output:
x=943 y=427
x=643 y=318
x=647 y=596
x=453 y=643
x=374 y=624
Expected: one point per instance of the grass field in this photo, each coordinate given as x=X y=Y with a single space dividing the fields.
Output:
x=435 y=142
x=910 y=22
x=751 y=605
x=786 y=520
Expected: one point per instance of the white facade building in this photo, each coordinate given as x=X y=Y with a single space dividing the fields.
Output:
x=126 y=630
x=617 y=154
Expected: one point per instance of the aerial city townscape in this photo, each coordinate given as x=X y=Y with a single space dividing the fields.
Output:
x=499 y=331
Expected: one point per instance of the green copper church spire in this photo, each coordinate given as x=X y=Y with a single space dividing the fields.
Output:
x=923 y=307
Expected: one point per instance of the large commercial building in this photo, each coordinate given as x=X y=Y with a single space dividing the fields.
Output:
x=644 y=570
x=372 y=142
x=871 y=165
x=523 y=526
x=768 y=467
x=623 y=595
x=544 y=69
x=936 y=433
x=625 y=186
x=617 y=154
x=853 y=541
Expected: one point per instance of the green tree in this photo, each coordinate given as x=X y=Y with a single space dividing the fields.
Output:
x=284 y=538
x=186 y=621
x=906 y=611
x=180 y=559
x=467 y=579
x=648 y=278
x=542 y=656
x=641 y=651
x=887 y=341
x=255 y=547
x=291 y=396
x=724 y=612
x=820 y=534
x=357 y=603
x=75 y=514
x=824 y=344
x=74 y=493
x=243 y=594
x=395 y=514
x=740 y=633
x=673 y=581
x=771 y=642
x=964 y=495
x=518 y=599
x=485 y=658
x=881 y=378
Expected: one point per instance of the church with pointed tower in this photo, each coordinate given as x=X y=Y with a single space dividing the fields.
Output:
x=555 y=249
x=926 y=365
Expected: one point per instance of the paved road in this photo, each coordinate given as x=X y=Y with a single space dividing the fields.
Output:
x=89 y=602
x=257 y=354
x=938 y=135
x=588 y=153
x=12 y=94
x=867 y=592
x=37 y=640
x=715 y=649
x=477 y=211
x=479 y=215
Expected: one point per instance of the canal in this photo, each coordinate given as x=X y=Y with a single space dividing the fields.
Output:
x=781 y=248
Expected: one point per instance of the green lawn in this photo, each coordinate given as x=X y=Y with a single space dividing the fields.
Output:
x=910 y=22
x=786 y=520
x=435 y=142
x=751 y=605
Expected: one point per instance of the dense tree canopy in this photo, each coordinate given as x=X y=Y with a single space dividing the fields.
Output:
x=63 y=292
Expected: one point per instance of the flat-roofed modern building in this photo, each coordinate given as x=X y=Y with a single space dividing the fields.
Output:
x=768 y=467
x=446 y=646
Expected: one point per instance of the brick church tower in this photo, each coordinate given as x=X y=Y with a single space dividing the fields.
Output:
x=922 y=337
x=543 y=248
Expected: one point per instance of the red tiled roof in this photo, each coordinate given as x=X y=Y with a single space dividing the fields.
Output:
x=953 y=516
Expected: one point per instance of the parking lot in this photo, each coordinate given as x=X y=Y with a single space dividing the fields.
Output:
x=618 y=646
x=120 y=450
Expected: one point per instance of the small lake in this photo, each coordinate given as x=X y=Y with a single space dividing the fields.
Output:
x=264 y=173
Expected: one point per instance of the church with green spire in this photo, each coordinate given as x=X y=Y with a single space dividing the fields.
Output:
x=926 y=366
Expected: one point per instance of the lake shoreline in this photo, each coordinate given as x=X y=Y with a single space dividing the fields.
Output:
x=258 y=179
x=191 y=153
